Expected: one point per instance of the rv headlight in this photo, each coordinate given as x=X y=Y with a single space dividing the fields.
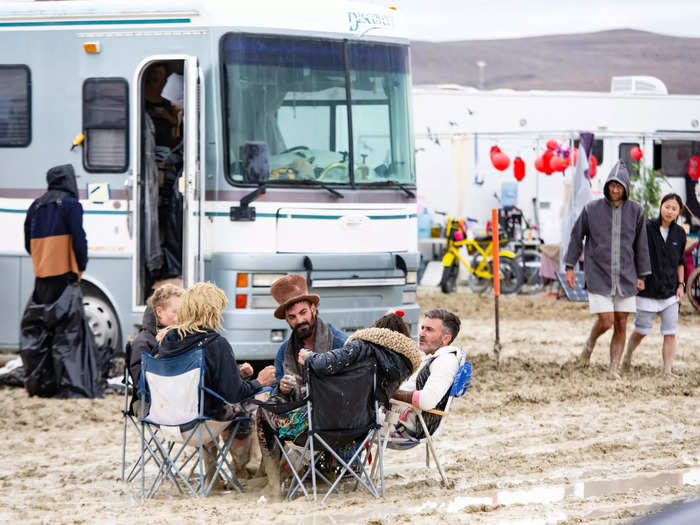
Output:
x=265 y=279
x=262 y=301
x=411 y=277
x=276 y=336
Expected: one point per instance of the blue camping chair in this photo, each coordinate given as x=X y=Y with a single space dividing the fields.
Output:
x=460 y=385
x=172 y=394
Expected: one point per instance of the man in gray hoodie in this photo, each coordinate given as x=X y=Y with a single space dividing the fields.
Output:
x=616 y=258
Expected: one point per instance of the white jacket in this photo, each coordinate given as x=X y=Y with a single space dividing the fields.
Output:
x=442 y=373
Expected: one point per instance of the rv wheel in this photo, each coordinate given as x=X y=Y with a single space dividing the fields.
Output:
x=102 y=320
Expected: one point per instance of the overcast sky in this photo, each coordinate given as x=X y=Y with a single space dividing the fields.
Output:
x=487 y=19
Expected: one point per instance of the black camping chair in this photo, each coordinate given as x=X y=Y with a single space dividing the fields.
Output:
x=342 y=412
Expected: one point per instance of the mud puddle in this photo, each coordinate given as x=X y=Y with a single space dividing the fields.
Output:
x=537 y=495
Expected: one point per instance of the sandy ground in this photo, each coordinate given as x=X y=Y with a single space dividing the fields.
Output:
x=531 y=442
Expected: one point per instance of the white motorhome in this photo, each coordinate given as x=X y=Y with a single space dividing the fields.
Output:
x=323 y=88
x=456 y=127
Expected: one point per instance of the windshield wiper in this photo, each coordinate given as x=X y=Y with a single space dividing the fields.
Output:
x=319 y=184
x=395 y=184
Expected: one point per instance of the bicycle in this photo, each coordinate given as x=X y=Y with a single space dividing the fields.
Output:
x=481 y=267
x=525 y=242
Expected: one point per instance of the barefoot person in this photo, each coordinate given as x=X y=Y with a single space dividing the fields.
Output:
x=616 y=258
x=664 y=288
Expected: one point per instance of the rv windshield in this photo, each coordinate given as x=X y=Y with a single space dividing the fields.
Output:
x=292 y=94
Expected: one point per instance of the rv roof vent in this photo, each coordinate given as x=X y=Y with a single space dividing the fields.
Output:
x=638 y=84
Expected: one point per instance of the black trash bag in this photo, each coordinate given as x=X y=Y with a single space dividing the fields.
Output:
x=58 y=350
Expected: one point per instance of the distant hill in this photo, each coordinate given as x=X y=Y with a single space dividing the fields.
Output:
x=578 y=61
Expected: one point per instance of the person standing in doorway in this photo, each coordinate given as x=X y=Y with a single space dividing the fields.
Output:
x=664 y=288
x=616 y=259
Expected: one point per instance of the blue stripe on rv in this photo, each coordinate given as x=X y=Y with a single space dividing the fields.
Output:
x=96 y=22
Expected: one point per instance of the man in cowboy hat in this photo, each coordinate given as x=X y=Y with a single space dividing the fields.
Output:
x=300 y=309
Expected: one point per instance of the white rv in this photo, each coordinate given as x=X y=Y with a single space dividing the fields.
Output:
x=323 y=88
x=456 y=127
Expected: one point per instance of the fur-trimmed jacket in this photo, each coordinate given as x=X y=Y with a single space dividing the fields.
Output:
x=396 y=355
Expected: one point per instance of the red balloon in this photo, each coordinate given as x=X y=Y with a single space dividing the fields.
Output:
x=694 y=167
x=539 y=164
x=518 y=168
x=592 y=166
x=494 y=149
x=500 y=161
x=556 y=163
x=546 y=158
x=552 y=144
x=636 y=153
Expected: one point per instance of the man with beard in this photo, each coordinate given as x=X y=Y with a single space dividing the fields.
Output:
x=300 y=310
x=309 y=331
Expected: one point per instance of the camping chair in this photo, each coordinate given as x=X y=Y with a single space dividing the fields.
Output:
x=460 y=385
x=172 y=390
x=341 y=412
x=130 y=420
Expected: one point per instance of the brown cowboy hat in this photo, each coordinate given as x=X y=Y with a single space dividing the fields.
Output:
x=291 y=289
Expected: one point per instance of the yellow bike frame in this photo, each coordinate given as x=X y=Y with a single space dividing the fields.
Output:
x=452 y=251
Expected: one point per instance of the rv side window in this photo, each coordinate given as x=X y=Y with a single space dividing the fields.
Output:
x=15 y=106
x=624 y=155
x=596 y=149
x=106 y=124
x=674 y=156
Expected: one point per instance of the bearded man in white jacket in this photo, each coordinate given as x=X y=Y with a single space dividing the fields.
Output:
x=430 y=387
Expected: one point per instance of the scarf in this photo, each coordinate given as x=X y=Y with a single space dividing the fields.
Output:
x=323 y=342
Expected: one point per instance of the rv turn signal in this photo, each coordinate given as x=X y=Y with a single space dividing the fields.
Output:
x=91 y=47
x=241 y=301
x=77 y=141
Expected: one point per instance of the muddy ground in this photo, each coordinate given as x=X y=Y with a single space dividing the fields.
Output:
x=532 y=441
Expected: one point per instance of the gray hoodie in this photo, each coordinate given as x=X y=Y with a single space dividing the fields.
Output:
x=616 y=251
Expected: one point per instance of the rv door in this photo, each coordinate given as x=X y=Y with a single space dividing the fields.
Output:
x=150 y=241
x=193 y=173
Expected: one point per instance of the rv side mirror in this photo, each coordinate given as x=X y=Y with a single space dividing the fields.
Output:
x=255 y=162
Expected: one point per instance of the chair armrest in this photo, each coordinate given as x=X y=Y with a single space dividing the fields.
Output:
x=414 y=407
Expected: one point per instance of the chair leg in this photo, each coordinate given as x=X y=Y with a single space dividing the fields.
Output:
x=124 y=447
x=299 y=482
x=380 y=460
x=143 y=463
x=430 y=449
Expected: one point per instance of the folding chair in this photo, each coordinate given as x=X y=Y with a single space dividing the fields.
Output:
x=341 y=411
x=172 y=390
x=130 y=419
x=460 y=385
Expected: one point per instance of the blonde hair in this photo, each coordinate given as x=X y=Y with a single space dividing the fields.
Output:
x=201 y=307
x=163 y=294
